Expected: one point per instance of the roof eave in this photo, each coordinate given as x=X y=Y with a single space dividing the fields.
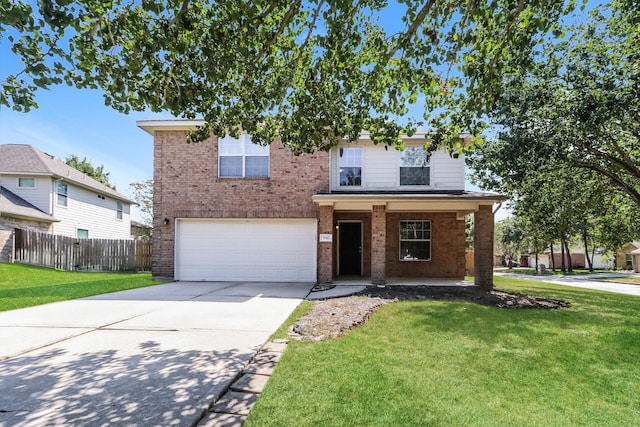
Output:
x=28 y=217
x=151 y=126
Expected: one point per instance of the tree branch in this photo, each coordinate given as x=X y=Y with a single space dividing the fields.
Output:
x=632 y=192
x=631 y=167
x=411 y=32
x=181 y=12
x=312 y=26
x=295 y=7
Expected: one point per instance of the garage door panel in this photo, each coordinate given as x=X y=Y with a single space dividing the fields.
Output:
x=246 y=250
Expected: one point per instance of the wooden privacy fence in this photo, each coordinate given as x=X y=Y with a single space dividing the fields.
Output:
x=68 y=253
x=469 y=263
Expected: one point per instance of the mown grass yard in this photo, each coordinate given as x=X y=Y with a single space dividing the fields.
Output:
x=458 y=363
x=26 y=285
x=631 y=280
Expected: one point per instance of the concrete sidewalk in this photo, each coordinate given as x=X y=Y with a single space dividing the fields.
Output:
x=151 y=356
x=584 y=281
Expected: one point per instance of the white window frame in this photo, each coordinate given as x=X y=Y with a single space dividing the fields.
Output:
x=401 y=256
x=245 y=141
x=26 y=187
x=119 y=210
x=426 y=165
x=59 y=194
x=81 y=229
x=348 y=164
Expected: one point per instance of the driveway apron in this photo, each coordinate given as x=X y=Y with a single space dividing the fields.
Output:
x=150 y=356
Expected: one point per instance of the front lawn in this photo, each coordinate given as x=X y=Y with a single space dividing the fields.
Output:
x=549 y=272
x=27 y=285
x=631 y=280
x=459 y=363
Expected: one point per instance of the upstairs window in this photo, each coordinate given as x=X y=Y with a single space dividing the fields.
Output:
x=415 y=240
x=350 y=167
x=62 y=190
x=415 y=166
x=240 y=158
x=119 y=209
x=26 y=183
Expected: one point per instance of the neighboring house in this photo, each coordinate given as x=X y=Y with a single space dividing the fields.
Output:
x=15 y=212
x=60 y=199
x=626 y=258
x=140 y=231
x=226 y=209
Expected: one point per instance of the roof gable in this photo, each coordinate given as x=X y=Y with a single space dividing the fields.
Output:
x=12 y=205
x=26 y=159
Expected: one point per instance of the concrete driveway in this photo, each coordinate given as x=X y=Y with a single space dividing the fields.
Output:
x=151 y=356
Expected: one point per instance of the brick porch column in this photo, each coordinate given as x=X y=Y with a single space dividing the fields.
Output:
x=378 y=245
x=325 y=249
x=483 y=247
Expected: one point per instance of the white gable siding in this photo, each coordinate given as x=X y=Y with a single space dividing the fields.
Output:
x=381 y=170
x=447 y=173
x=85 y=210
x=40 y=196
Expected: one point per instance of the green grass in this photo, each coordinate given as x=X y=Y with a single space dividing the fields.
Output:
x=631 y=280
x=550 y=272
x=26 y=285
x=458 y=363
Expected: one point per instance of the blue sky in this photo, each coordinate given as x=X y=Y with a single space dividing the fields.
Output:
x=73 y=121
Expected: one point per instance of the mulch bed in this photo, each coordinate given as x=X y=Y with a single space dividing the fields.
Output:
x=333 y=318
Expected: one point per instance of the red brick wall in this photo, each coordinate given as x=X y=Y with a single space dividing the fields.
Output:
x=378 y=245
x=186 y=185
x=483 y=233
x=447 y=247
x=325 y=249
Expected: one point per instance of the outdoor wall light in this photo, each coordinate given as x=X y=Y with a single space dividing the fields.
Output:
x=166 y=221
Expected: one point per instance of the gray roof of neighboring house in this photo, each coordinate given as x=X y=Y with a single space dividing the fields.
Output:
x=26 y=159
x=135 y=223
x=12 y=205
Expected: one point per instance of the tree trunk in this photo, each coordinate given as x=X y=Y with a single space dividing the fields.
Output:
x=563 y=266
x=553 y=260
x=569 y=262
x=586 y=250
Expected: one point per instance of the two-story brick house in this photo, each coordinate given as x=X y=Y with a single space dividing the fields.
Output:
x=39 y=192
x=226 y=209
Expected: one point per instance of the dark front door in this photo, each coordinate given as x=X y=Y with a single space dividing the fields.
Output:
x=350 y=249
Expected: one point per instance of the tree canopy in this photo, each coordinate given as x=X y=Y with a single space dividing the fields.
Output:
x=577 y=108
x=305 y=72
x=86 y=167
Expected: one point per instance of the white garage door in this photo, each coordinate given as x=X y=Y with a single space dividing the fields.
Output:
x=263 y=250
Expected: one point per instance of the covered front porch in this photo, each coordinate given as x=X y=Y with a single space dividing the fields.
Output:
x=408 y=237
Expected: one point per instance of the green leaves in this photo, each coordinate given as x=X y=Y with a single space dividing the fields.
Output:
x=85 y=166
x=305 y=72
x=567 y=149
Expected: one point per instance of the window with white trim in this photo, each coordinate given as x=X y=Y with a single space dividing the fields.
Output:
x=350 y=166
x=82 y=234
x=415 y=240
x=62 y=191
x=240 y=158
x=415 y=166
x=26 y=183
x=119 y=209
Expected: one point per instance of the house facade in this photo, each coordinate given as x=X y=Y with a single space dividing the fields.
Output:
x=43 y=193
x=226 y=209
